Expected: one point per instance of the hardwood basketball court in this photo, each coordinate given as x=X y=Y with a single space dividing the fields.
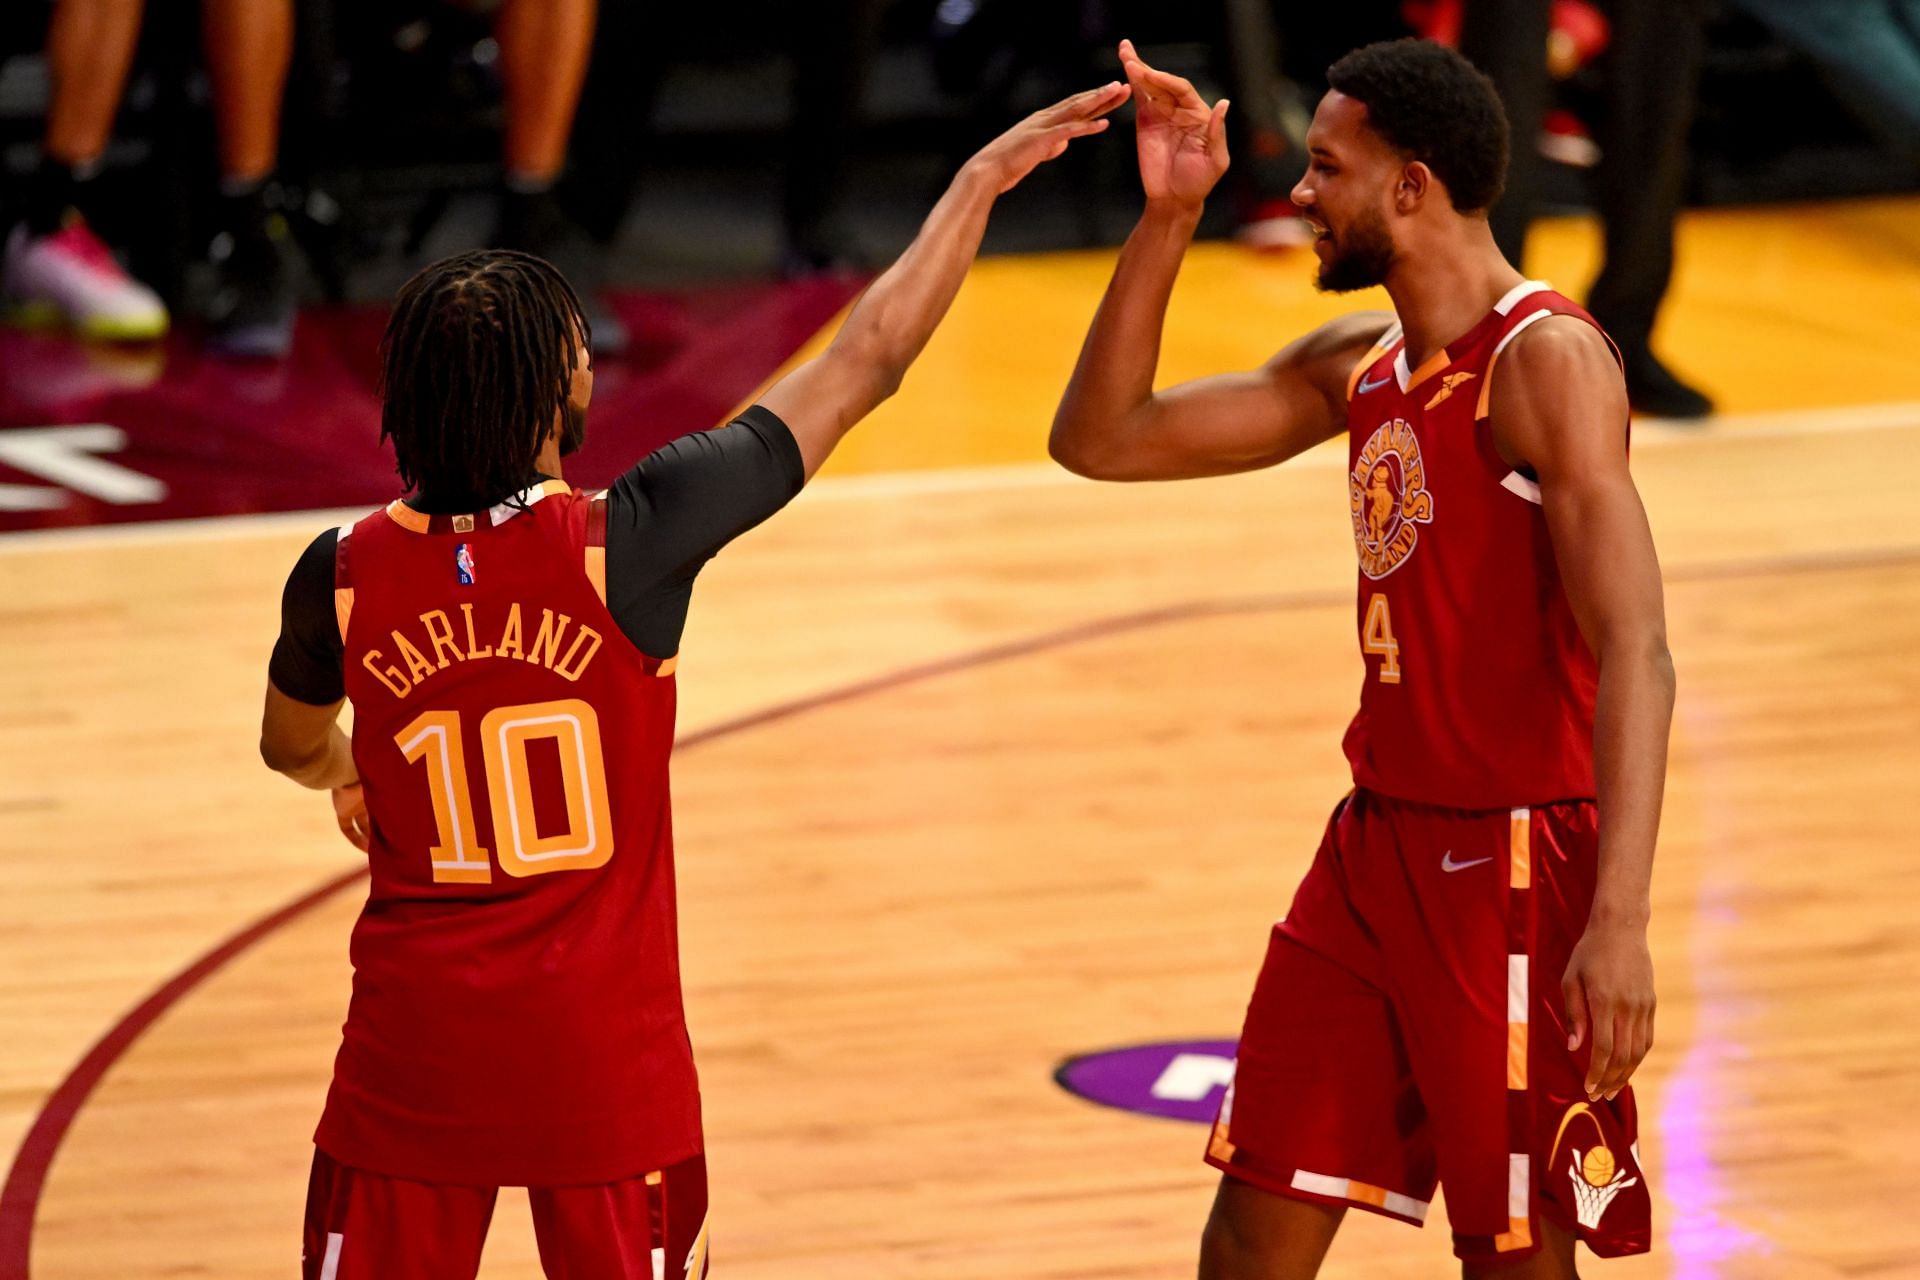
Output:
x=1030 y=767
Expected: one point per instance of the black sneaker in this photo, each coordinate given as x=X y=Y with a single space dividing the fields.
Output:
x=1652 y=389
x=252 y=310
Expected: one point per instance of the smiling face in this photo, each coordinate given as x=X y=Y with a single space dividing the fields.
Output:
x=1347 y=196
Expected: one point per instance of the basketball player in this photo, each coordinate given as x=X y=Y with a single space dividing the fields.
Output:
x=509 y=643
x=1462 y=987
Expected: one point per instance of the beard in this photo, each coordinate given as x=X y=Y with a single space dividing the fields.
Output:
x=1361 y=258
x=573 y=429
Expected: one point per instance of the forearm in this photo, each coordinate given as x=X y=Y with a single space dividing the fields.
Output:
x=1118 y=361
x=895 y=318
x=1632 y=718
x=325 y=767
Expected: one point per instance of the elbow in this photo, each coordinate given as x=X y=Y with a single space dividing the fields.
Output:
x=1646 y=653
x=1071 y=449
x=1062 y=450
x=284 y=759
x=273 y=755
x=887 y=377
x=872 y=365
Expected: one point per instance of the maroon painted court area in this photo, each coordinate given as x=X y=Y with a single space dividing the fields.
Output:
x=93 y=434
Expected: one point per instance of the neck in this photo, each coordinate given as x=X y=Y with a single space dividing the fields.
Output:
x=1442 y=288
x=548 y=463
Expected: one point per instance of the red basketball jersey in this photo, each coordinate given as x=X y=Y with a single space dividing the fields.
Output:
x=1479 y=690
x=516 y=1015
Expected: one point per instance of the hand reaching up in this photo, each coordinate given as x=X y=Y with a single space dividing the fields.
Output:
x=1182 y=142
x=1045 y=134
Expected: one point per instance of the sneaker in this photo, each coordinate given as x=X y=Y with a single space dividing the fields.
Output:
x=252 y=311
x=68 y=278
x=1654 y=390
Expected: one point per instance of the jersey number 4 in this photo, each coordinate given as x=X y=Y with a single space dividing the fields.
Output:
x=1376 y=638
x=505 y=734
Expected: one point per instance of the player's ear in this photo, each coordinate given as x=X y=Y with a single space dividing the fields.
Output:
x=1415 y=183
x=580 y=389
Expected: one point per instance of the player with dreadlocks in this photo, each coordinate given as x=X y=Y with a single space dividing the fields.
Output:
x=508 y=643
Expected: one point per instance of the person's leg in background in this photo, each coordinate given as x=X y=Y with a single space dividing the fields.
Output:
x=56 y=271
x=1507 y=39
x=248 y=45
x=1266 y=146
x=834 y=43
x=1651 y=72
x=544 y=49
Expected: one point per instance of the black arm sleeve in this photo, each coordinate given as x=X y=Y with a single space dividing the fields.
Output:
x=670 y=514
x=306 y=658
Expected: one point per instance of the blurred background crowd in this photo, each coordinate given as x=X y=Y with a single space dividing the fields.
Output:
x=214 y=165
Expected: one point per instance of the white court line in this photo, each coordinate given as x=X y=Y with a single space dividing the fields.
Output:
x=1654 y=433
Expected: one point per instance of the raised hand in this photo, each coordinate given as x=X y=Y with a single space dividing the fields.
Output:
x=1182 y=142
x=1045 y=134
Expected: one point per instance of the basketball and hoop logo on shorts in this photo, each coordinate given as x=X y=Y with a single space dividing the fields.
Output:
x=1596 y=1175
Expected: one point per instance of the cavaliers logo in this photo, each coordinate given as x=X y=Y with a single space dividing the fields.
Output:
x=1388 y=493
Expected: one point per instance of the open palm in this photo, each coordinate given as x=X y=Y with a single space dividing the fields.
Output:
x=1182 y=142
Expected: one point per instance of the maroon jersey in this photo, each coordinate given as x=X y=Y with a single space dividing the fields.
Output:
x=1479 y=689
x=516 y=1015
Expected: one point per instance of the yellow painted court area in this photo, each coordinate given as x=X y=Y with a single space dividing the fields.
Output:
x=1049 y=760
x=1795 y=308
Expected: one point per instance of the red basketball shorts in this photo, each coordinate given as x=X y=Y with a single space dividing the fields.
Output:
x=1408 y=1030
x=365 y=1226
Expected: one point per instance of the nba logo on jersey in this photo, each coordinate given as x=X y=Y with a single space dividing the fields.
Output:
x=463 y=564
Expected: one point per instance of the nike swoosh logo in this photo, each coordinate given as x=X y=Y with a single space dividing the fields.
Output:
x=1366 y=386
x=1448 y=864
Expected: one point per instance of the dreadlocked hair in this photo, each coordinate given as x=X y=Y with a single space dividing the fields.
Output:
x=477 y=360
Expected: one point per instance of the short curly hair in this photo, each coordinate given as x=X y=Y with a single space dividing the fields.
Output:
x=1434 y=105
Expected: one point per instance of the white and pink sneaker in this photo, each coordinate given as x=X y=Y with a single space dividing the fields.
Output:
x=70 y=279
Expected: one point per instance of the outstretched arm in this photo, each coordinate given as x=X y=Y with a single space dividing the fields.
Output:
x=1111 y=425
x=1559 y=406
x=887 y=329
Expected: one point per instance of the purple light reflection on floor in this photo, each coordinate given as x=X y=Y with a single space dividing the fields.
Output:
x=1701 y=1238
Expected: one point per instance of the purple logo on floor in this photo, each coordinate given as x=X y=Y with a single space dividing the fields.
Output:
x=1178 y=1079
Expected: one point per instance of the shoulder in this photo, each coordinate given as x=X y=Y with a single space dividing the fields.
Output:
x=1560 y=346
x=316 y=561
x=1557 y=385
x=1346 y=338
x=1329 y=355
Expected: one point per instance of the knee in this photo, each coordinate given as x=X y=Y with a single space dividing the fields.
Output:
x=1228 y=1250
x=1254 y=1236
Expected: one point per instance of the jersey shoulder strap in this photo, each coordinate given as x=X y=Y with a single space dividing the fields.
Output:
x=596 y=544
x=1384 y=344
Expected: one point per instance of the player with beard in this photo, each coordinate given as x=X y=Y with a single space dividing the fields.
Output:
x=1462 y=987
x=509 y=645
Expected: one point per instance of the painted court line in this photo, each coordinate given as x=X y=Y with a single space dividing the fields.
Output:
x=1649 y=433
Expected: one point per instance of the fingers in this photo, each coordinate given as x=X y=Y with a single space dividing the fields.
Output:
x=1601 y=1066
x=1636 y=1034
x=1576 y=998
x=1217 y=132
x=353 y=828
x=1088 y=105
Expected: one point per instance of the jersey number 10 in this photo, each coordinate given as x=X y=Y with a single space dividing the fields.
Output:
x=505 y=733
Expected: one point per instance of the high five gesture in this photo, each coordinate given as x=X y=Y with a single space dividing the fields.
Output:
x=1182 y=141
